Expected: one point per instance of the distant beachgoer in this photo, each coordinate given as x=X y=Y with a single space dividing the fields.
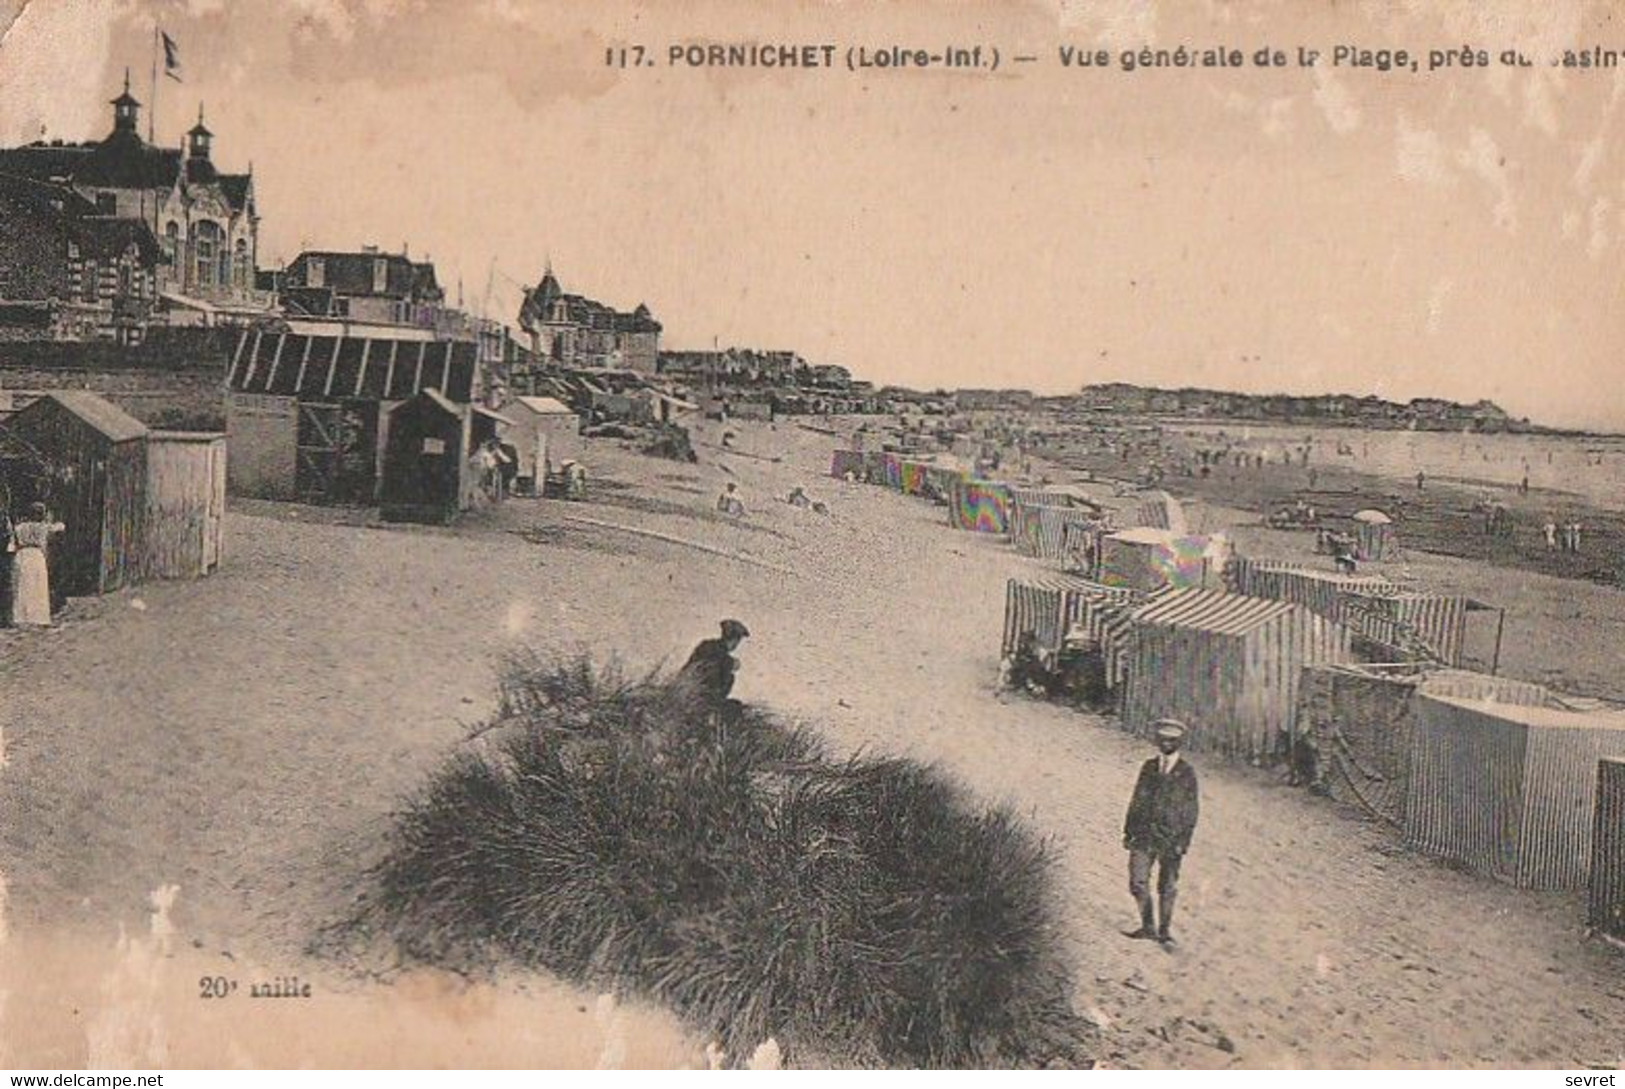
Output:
x=1575 y=530
x=1523 y=486
x=8 y=548
x=1157 y=831
x=1550 y=530
x=30 y=578
x=575 y=477
x=729 y=502
x=508 y=466
x=798 y=497
x=1421 y=480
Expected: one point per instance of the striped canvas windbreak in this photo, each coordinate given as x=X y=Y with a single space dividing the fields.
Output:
x=1362 y=719
x=1465 y=799
x=1509 y=790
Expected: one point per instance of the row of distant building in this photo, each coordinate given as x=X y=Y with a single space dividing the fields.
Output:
x=104 y=240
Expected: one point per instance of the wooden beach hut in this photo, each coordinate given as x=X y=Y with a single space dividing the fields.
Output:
x=431 y=468
x=90 y=467
x=543 y=430
x=185 y=503
x=1607 y=901
x=1507 y=790
x=1227 y=666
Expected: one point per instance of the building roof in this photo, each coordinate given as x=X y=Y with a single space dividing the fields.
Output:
x=122 y=161
x=383 y=368
x=439 y=399
x=238 y=188
x=539 y=304
x=1211 y=611
x=491 y=414
x=350 y=273
x=112 y=422
x=545 y=406
x=76 y=217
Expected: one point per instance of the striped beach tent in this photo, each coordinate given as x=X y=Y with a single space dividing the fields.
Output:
x=1510 y=791
x=1374 y=538
x=1408 y=623
x=982 y=506
x=914 y=478
x=1227 y=666
x=1153 y=559
x=846 y=461
x=1051 y=532
x=1607 y=900
x=1056 y=608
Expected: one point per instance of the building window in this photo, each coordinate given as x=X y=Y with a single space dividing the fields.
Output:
x=315 y=272
x=242 y=263
x=380 y=275
x=107 y=204
x=172 y=244
x=208 y=249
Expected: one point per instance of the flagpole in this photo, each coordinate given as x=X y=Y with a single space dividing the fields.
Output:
x=152 y=109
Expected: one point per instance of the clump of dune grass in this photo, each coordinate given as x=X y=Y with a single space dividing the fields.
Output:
x=612 y=831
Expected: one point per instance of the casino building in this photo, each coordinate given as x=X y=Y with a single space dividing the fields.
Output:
x=205 y=220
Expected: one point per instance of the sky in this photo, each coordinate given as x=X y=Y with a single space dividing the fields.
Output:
x=1459 y=233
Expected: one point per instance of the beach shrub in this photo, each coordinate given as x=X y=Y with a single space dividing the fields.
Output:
x=612 y=831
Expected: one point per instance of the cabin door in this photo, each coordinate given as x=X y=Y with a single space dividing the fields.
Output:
x=337 y=452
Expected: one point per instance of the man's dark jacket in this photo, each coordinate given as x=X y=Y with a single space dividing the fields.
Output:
x=1162 y=813
x=710 y=669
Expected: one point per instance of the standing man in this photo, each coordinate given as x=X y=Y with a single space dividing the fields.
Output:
x=1161 y=819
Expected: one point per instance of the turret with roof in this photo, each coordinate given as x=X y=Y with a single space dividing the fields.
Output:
x=206 y=220
x=574 y=330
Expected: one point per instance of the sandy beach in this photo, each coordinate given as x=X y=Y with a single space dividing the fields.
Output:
x=244 y=740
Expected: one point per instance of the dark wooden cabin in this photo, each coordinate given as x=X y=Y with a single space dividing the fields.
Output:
x=86 y=460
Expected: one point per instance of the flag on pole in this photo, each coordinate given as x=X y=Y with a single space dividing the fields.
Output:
x=172 y=57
